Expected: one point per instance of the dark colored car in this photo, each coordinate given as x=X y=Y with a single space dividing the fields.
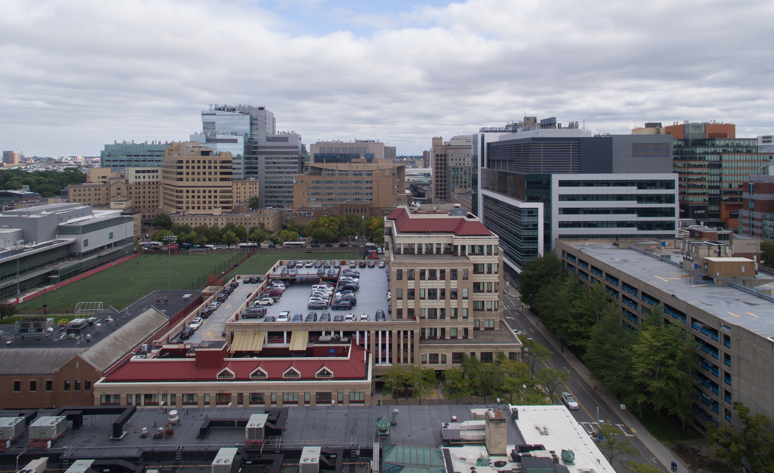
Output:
x=254 y=313
x=362 y=264
x=338 y=318
x=298 y=318
x=380 y=315
x=341 y=305
x=311 y=317
x=349 y=287
x=187 y=333
x=292 y=263
x=206 y=313
x=325 y=317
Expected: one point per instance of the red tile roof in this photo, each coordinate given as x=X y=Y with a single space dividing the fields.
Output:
x=461 y=226
x=184 y=369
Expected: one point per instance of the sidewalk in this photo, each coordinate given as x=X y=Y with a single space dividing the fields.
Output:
x=659 y=451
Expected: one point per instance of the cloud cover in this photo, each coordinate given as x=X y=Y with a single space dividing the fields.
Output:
x=77 y=74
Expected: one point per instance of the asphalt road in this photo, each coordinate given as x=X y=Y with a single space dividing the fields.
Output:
x=590 y=403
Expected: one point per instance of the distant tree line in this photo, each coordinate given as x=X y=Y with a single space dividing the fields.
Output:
x=45 y=183
x=336 y=228
x=230 y=234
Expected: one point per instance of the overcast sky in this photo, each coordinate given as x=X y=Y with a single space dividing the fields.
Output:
x=77 y=74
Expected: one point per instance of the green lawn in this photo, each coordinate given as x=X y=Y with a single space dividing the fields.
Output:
x=124 y=283
x=667 y=428
x=259 y=263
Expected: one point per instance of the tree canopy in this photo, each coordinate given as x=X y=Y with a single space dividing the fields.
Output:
x=749 y=445
x=45 y=183
x=336 y=228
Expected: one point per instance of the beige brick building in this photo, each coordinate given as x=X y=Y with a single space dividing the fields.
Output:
x=271 y=219
x=357 y=187
x=135 y=192
x=195 y=180
x=244 y=190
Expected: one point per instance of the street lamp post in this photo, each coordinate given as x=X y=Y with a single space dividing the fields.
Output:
x=170 y=239
x=364 y=247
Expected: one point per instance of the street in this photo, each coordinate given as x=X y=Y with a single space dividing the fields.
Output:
x=590 y=403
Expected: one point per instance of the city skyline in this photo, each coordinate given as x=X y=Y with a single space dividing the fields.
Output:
x=78 y=75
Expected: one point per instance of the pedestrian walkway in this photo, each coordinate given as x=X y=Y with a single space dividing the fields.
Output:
x=659 y=451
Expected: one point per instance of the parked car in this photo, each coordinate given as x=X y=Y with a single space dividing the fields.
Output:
x=196 y=323
x=338 y=318
x=350 y=317
x=362 y=264
x=380 y=315
x=325 y=317
x=336 y=264
x=214 y=305
x=311 y=317
x=569 y=400
x=371 y=263
x=298 y=318
x=291 y=264
x=187 y=333
x=317 y=304
x=318 y=264
x=352 y=264
x=254 y=313
x=381 y=264
x=206 y=313
x=327 y=264
x=283 y=316
x=309 y=264
x=364 y=317
x=266 y=301
x=341 y=305
x=270 y=318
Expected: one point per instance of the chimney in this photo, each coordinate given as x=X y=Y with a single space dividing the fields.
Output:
x=496 y=432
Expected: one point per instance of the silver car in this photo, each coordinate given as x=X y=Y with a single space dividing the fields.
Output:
x=569 y=400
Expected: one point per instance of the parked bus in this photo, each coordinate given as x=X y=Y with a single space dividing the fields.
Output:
x=248 y=245
x=294 y=244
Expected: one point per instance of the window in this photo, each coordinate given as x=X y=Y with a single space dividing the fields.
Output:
x=223 y=399
x=110 y=236
x=442 y=274
x=258 y=374
x=273 y=399
x=487 y=357
x=464 y=274
x=458 y=358
x=399 y=293
x=323 y=398
x=357 y=398
x=453 y=274
x=289 y=397
x=291 y=373
x=411 y=293
x=443 y=359
x=110 y=399
x=49 y=385
x=421 y=293
x=306 y=399
x=432 y=274
x=33 y=385
x=399 y=275
x=422 y=273
x=324 y=373
x=85 y=242
x=87 y=385
x=17 y=386
x=67 y=385
x=464 y=292
x=225 y=374
x=489 y=324
x=77 y=385
x=424 y=359
x=453 y=332
x=478 y=305
x=453 y=294
x=410 y=275
x=190 y=399
x=434 y=358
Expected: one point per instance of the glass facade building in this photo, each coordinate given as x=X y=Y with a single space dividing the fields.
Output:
x=131 y=155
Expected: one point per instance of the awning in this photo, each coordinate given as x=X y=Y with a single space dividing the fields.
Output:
x=248 y=341
x=298 y=341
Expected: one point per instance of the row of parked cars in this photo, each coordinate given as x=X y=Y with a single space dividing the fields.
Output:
x=284 y=316
x=314 y=264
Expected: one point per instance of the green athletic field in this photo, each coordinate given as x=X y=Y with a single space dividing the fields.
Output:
x=259 y=263
x=126 y=282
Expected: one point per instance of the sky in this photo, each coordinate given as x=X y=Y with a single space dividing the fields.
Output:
x=78 y=74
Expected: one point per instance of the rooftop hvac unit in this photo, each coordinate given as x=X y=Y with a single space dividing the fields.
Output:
x=80 y=466
x=37 y=465
x=48 y=427
x=254 y=431
x=310 y=460
x=11 y=427
x=223 y=460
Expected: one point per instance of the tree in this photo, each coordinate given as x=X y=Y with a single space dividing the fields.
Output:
x=162 y=221
x=749 y=445
x=662 y=359
x=551 y=379
x=429 y=200
x=213 y=280
x=254 y=202
x=536 y=352
x=614 y=444
x=609 y=355
x=417 y=381
x=454 y=385
x=230 y=238
x=213 y=234
x=159 y=235
x=537 y=274
x=7 y=310
x=241 y=233
x=767 y=258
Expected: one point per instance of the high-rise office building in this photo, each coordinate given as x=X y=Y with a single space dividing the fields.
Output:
x=194 y=179
x=335 y=151
x=538 y=184
x=250 y=134
x=11 y=157
x=126 y=154
x=452 y=166
x=714 y=167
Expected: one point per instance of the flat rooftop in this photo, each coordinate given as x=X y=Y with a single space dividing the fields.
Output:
x=732 y=306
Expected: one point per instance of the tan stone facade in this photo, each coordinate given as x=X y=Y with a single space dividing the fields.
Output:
x=271 y=219
x=195 y=180
x=244 y=190
x=354 y=187
x=137 y=191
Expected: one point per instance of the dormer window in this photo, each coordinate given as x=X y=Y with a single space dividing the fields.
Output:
x=258 y=373
x=226 y=373
x=324 y=373
x=291 y=373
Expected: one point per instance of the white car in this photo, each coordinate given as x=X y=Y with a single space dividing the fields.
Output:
x=389 y=295
x=569 y=400
x=283 y=316
x=196 y=323
x=381 y=264
x=266 y=301
x=309 y=264
x=349 y=317
x=364 y=317
x=214 y=305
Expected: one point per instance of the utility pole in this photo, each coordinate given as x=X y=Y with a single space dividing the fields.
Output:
x=170 y=239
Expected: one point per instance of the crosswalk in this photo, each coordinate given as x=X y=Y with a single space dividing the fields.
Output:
x=591 y=428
